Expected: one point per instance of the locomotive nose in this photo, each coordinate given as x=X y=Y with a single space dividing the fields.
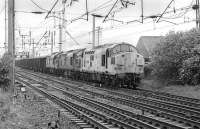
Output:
x=124 y=62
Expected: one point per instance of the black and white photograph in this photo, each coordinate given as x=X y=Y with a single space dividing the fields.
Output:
x=99 y=64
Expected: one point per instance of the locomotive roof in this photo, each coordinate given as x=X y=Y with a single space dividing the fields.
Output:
x=72 y=51
x=110 y=45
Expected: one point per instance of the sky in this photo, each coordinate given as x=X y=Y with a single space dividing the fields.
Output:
x=120 y=30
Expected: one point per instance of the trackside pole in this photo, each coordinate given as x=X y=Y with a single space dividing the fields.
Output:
x=11 y=44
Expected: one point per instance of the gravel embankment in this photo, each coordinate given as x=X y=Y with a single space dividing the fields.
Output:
x=34 y=112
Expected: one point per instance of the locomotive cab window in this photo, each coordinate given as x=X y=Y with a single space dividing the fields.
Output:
x=113 y=60
x=103 y=57
x=125 y=48
x=91 y=57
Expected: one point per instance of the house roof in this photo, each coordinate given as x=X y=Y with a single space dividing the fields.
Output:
x=146 y=44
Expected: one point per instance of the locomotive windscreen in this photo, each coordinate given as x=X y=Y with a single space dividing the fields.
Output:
x=122 y=48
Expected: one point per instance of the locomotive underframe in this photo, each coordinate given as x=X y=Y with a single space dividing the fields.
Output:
x=128 y=80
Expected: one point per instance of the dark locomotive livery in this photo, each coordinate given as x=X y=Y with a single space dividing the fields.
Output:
x=116 y=65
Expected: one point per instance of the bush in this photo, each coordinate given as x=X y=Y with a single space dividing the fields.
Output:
x=4 y=71
x=177 y=57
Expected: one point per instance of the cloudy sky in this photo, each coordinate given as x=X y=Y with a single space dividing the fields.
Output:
x=179 y=18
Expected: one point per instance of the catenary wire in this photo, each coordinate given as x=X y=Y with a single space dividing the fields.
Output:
x=38 y=5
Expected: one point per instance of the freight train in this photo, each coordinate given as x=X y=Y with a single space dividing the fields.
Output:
x=113 y=65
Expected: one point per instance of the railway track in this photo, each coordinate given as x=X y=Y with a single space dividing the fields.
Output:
x=126 y=116
x=147 y=108
x=99 y=120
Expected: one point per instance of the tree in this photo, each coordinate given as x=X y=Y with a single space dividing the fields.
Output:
x=177 y=57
